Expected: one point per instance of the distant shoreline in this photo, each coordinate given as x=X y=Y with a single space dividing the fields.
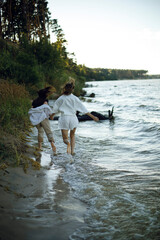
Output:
x=158 y=78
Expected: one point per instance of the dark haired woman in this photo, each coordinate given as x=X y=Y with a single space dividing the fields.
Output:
x=68 y=104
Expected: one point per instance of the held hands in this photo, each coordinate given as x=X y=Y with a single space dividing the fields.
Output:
x=52 y=116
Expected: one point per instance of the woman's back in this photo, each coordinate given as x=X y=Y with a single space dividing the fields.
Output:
x=69 y=105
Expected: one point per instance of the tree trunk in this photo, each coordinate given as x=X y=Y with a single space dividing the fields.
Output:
x=0 y=21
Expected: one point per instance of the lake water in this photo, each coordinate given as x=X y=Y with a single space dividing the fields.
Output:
x=116 y=169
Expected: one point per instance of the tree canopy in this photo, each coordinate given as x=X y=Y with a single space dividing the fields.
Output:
x=28 y=56
x=24 y=17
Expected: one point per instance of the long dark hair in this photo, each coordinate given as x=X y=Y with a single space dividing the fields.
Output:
x=68 y=88
x=42 y=96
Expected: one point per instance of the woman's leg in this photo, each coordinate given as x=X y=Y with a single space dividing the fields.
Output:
x=53 y=147
x=40 y=135
x=72 y=140
x=46 y=126
x=65 y=140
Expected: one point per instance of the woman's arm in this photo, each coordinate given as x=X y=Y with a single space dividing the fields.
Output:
x=93 y=117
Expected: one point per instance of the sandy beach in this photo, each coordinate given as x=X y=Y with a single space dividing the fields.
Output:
x=37 y=204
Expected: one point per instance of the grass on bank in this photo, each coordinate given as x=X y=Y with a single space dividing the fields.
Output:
x=15 y=126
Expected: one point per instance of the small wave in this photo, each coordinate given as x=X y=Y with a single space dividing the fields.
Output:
x=142 y=106
x=106 y=194
x=108 y=104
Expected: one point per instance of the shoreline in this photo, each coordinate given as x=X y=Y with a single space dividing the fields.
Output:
x=38 y=204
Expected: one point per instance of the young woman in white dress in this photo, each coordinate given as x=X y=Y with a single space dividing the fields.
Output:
x=68 y=104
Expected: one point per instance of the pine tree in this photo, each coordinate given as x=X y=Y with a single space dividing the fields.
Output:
x=29 y=18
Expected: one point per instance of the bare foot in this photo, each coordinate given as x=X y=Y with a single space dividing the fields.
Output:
x=68 y=148
x=73 y=154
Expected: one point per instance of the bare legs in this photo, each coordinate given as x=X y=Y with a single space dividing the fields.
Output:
x=71 y=144
x=40 y=145
x=65 y=140
x=45 y=126
x=52 y=146
x=72 y=140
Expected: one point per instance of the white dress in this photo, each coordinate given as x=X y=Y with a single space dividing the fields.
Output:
x=68 y=105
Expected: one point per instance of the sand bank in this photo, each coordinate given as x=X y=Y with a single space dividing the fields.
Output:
x=37 y=205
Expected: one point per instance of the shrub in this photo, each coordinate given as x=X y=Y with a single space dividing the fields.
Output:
x=14 y=122
x=14 y=107
x=7 y=66
x=27 y=69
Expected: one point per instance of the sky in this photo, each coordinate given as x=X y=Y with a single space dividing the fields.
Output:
x=117 y=34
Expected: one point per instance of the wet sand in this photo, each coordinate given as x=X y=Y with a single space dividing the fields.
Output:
x=37 y=205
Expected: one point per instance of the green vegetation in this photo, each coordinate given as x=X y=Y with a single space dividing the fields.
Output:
x=100 y=74
x=36 y=65
x=14 y=121
x=27 y=55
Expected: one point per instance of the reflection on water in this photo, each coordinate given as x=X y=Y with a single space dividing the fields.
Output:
x=116 y=169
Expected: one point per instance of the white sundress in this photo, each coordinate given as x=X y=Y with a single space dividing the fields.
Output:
x=68 y=105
